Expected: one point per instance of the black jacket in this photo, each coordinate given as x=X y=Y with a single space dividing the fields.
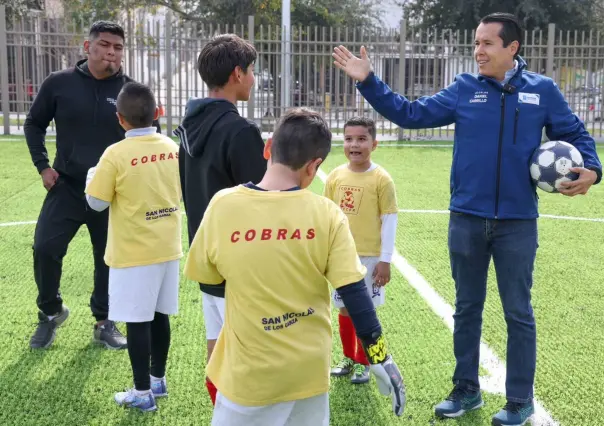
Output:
x=218 y=149
x=83 y=109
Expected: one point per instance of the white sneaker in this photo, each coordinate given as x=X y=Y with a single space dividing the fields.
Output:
x=143 y=400
x=159 y=387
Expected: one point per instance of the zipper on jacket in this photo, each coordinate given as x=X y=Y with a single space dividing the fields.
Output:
x=516 y=124
x=499 y=154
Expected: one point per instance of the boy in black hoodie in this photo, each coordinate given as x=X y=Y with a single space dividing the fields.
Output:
x=218 y=149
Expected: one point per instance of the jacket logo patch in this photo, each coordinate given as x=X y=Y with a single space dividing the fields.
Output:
x=112 y=101
x=480 y=97
x=528 y=98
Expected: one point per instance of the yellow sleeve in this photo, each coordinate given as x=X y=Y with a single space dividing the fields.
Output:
x=200 y=266
x=343 y=264
x=328 y=188
x=102 y=184
x=387 y=196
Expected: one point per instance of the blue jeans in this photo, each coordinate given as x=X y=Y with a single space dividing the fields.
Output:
x=513 y=246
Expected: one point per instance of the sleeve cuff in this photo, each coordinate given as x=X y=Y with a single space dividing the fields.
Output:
x=598 y=172
x=386 y=257
x=368 y=82
x=43 y=165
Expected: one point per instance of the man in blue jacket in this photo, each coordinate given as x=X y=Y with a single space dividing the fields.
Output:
x=498 y=125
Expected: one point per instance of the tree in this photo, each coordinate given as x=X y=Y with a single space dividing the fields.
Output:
x=266 y=12
x=17 y=8
x=533 y=14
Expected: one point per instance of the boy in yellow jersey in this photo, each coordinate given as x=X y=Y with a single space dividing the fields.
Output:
x=365 y=192
x=137 y=178
x=279 y=247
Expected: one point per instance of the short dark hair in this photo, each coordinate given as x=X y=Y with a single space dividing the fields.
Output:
x=221 y=56
x=136 y=104
x=368 y=123
x=510 y=28
x=106 y=27
x=301 y=135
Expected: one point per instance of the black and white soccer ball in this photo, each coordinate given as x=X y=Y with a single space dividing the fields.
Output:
x=551 y=164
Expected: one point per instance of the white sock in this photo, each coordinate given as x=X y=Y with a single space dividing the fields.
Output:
x=51 y=317
x=156 y=379
x=142 y=393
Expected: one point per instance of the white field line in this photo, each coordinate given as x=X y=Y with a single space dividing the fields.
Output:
x=495 y=383
x=31 y=222
x=322 y=177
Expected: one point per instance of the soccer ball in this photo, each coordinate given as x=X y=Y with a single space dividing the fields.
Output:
x=551 y=163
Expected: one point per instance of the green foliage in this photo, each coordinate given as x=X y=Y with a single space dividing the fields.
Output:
x=533 y=14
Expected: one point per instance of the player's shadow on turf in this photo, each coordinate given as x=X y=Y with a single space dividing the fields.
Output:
x=352 y=405
x=25 y=384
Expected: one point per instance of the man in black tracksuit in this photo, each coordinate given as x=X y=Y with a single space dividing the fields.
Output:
x=218 y=149
x=81 y=101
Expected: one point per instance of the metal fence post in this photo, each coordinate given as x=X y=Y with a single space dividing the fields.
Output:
x=402 y=64
x=168 y=53
x=251 y=110
x=551 y=36
x=4 y=71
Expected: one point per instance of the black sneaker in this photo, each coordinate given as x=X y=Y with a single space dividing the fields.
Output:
x=47 y=329
x=108 y=335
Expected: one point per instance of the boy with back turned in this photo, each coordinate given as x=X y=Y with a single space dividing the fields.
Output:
x=137 y=179
x=280 y=247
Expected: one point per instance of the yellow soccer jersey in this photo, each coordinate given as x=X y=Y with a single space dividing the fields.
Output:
x=364 y=197
x=279 y=251
x=139 y=177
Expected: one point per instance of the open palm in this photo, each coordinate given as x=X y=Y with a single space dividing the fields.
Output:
x=354 y=67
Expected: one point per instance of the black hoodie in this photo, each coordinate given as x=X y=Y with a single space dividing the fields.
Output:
x=83 y=109
x=218 y=149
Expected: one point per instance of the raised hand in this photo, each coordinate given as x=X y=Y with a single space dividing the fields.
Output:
x=357 y=68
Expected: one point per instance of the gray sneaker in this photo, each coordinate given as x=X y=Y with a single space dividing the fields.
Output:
x=343 y=368
x=108 y=335
x=47 y=329
x=360 y=374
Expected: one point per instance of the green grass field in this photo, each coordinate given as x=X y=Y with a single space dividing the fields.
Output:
x=73 y=382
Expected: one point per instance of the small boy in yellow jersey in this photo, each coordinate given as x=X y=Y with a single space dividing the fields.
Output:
x=138 y=179
x=365 y=192
x=279 y=247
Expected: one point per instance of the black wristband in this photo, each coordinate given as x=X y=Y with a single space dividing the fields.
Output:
x=375 y=348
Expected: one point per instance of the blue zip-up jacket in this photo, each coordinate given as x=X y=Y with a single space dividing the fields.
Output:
x=496 y=133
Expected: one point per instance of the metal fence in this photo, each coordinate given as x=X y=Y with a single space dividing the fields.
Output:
x=161 y=51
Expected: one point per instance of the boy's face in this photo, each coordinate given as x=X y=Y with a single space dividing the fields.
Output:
x=358 y=144
x=246 y=82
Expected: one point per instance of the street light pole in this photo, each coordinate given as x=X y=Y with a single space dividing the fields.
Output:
x=285 y=53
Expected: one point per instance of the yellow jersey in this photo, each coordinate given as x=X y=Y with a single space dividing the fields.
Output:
x=364 y=197
x=139 y=177
x=279 y=252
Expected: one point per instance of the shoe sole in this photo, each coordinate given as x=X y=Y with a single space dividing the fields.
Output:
x=107 y=345
x=341 y=374
x=144 y=410
x=355 y=381
x=515 y=424
x=58 y=321
x=458 y=413
x=160 y=395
